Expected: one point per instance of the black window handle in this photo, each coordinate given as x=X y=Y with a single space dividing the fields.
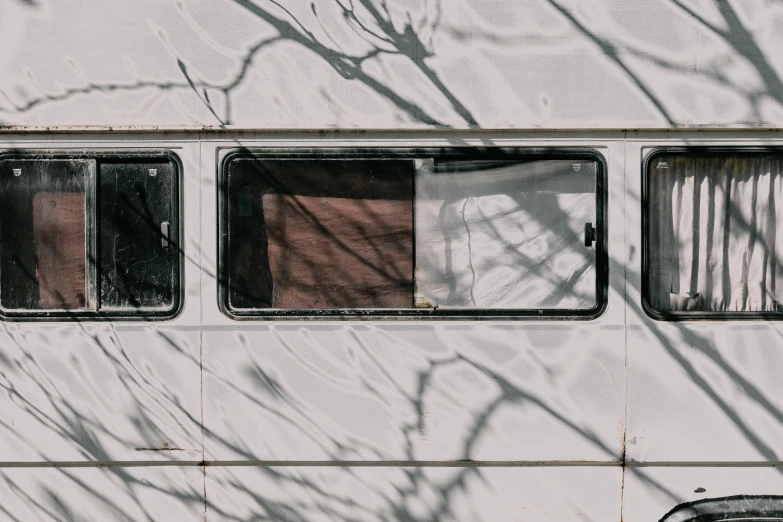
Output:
x=589 y=234
x=164 y=234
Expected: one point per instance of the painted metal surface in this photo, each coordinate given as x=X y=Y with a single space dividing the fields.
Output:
x=393 y=65
x=411 y=494
x=248 y=407
x=100 y=494
x=414 y=392
x=621 y=417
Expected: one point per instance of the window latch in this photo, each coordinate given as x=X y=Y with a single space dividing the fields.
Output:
x=589 y=234
x=164 y=234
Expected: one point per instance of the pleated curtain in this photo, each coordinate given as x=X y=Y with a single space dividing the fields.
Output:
x=714 y=241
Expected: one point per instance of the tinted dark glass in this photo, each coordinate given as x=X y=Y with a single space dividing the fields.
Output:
x=45 y=250
x=88 y=236
x=138 y=243
x=320 y=234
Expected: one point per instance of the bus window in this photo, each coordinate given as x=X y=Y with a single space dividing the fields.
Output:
x=44 y=250
x=506 y=234
x=712 y=248
x=412 y=233
x=137 y=253
x=84 y=237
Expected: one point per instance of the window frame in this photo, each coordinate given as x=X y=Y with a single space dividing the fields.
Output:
x=413 y=153
x=694 y=150
x=93 y=232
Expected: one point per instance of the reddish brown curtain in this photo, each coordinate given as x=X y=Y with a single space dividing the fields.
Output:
x=321 y=234
x=59 y=224
x=338 y=252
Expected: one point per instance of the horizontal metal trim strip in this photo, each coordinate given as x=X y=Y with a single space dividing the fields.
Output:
x=391 y=464
x=317 y=463
x=330 y=131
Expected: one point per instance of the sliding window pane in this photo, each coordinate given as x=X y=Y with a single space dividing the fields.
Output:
x=506 y=234
x=138 y=244
x=320 y=234
x=46 y=260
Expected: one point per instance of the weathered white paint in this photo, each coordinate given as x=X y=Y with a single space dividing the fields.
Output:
x=349 y=394
x=461 y=63
x=102 y=494
x=669 y=396
x=99 y=393
x=414 y=392
x=404 y=493
x=698 y=391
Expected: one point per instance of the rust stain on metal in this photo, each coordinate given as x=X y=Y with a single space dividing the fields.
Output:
x=167 y=446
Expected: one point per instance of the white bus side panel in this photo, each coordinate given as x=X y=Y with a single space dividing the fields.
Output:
x=462 y=64
x=465 y=494
x=413 y=390
x=102 y=391
x=102 y=494
x=699 y=391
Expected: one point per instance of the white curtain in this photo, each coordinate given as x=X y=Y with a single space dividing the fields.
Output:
x=714 y=241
